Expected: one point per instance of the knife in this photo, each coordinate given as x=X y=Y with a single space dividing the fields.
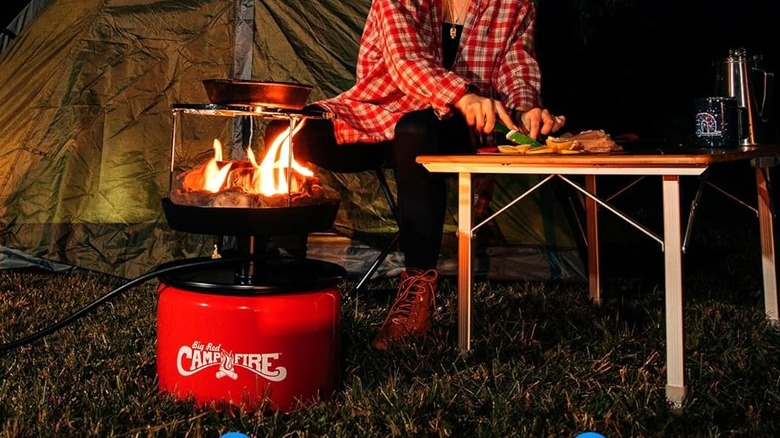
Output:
x=515 y=136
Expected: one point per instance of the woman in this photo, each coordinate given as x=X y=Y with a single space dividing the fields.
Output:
x=433 y=77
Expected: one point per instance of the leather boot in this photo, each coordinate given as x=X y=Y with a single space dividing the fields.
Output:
x=410 y=314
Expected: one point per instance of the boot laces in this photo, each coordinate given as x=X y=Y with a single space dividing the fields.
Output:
x=409 y=291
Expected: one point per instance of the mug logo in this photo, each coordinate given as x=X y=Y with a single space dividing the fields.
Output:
x=707 y=125
x=191 y=359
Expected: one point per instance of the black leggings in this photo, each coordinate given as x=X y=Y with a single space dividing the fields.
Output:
x=421 y=194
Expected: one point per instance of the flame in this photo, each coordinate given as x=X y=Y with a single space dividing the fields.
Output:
x=272 y=174
x=277 y=173
x=214 y=175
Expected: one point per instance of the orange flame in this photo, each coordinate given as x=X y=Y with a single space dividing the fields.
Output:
x=213 y=174
x=277 y=173
x=272 y=174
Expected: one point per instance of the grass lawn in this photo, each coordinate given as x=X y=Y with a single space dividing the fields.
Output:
x=546 y=362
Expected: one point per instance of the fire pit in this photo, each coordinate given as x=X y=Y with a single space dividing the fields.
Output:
x=274 y=197
x=263 y=331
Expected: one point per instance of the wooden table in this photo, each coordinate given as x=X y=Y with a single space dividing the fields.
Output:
x=670 y=166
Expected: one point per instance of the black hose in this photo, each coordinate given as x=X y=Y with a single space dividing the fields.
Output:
x=165 y=268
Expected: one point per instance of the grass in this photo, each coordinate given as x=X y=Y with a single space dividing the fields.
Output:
x=546 y=361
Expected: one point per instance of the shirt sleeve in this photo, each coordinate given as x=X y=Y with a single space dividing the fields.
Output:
x=518 y=79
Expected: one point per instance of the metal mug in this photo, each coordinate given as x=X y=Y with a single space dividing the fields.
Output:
x=717 y=122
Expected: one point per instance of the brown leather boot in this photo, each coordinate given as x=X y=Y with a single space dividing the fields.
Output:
x=410 y=314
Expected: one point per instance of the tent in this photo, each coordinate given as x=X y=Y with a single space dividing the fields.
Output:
x=85 y=134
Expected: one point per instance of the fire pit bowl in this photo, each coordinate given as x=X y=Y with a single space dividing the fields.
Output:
x=284 y=95
x=234 y=221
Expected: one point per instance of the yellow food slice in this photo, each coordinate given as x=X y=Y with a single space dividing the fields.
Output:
x=569 y=151
x=542 y=150
x=519 y=149
x=563 y=144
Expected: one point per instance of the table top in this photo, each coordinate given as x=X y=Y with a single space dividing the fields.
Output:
x=658 y=161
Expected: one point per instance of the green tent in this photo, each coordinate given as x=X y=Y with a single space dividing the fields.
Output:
x=85 y=134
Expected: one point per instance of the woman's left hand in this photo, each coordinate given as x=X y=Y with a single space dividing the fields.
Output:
x=540 y=121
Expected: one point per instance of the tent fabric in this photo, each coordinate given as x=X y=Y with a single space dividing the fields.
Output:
x=85 y=129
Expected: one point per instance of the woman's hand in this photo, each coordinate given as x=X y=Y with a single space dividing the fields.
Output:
x=540 y=121
x=480 y=112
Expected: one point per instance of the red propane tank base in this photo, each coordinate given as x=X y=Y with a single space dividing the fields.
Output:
x=274 y=351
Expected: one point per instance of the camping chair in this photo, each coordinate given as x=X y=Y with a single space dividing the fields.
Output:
x=379 y=172
x=377 y=164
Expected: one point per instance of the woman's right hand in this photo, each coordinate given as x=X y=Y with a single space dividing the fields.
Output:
x=480 y=112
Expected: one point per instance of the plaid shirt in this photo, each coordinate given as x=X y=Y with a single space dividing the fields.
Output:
x=400 y=64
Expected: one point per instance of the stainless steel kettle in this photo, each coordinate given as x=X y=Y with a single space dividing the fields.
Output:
x=740 y=76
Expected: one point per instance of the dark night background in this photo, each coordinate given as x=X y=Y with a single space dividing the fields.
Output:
x=9 y=9
x=634 y=66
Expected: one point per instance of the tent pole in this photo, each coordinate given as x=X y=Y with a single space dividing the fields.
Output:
x=242 y=69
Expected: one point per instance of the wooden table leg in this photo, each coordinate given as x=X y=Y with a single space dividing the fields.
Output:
x=767 y=245
x=592 y=223
x=675 y=354
x=465 y=259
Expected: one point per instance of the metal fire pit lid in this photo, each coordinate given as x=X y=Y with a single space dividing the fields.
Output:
x=280 y=274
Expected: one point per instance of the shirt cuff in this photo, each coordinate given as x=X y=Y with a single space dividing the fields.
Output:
x=468 y=88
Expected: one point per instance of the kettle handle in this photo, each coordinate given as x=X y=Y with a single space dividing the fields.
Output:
x=766 y=100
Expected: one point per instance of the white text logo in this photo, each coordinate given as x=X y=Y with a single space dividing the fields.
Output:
x=197 y=357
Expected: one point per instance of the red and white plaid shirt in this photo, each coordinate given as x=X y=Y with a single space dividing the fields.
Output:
x=400 y=64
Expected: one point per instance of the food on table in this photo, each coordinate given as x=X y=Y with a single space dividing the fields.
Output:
x=594 y=141
x=514 y=149
x=543 y=150
x=591 y=141
x=563 y=144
